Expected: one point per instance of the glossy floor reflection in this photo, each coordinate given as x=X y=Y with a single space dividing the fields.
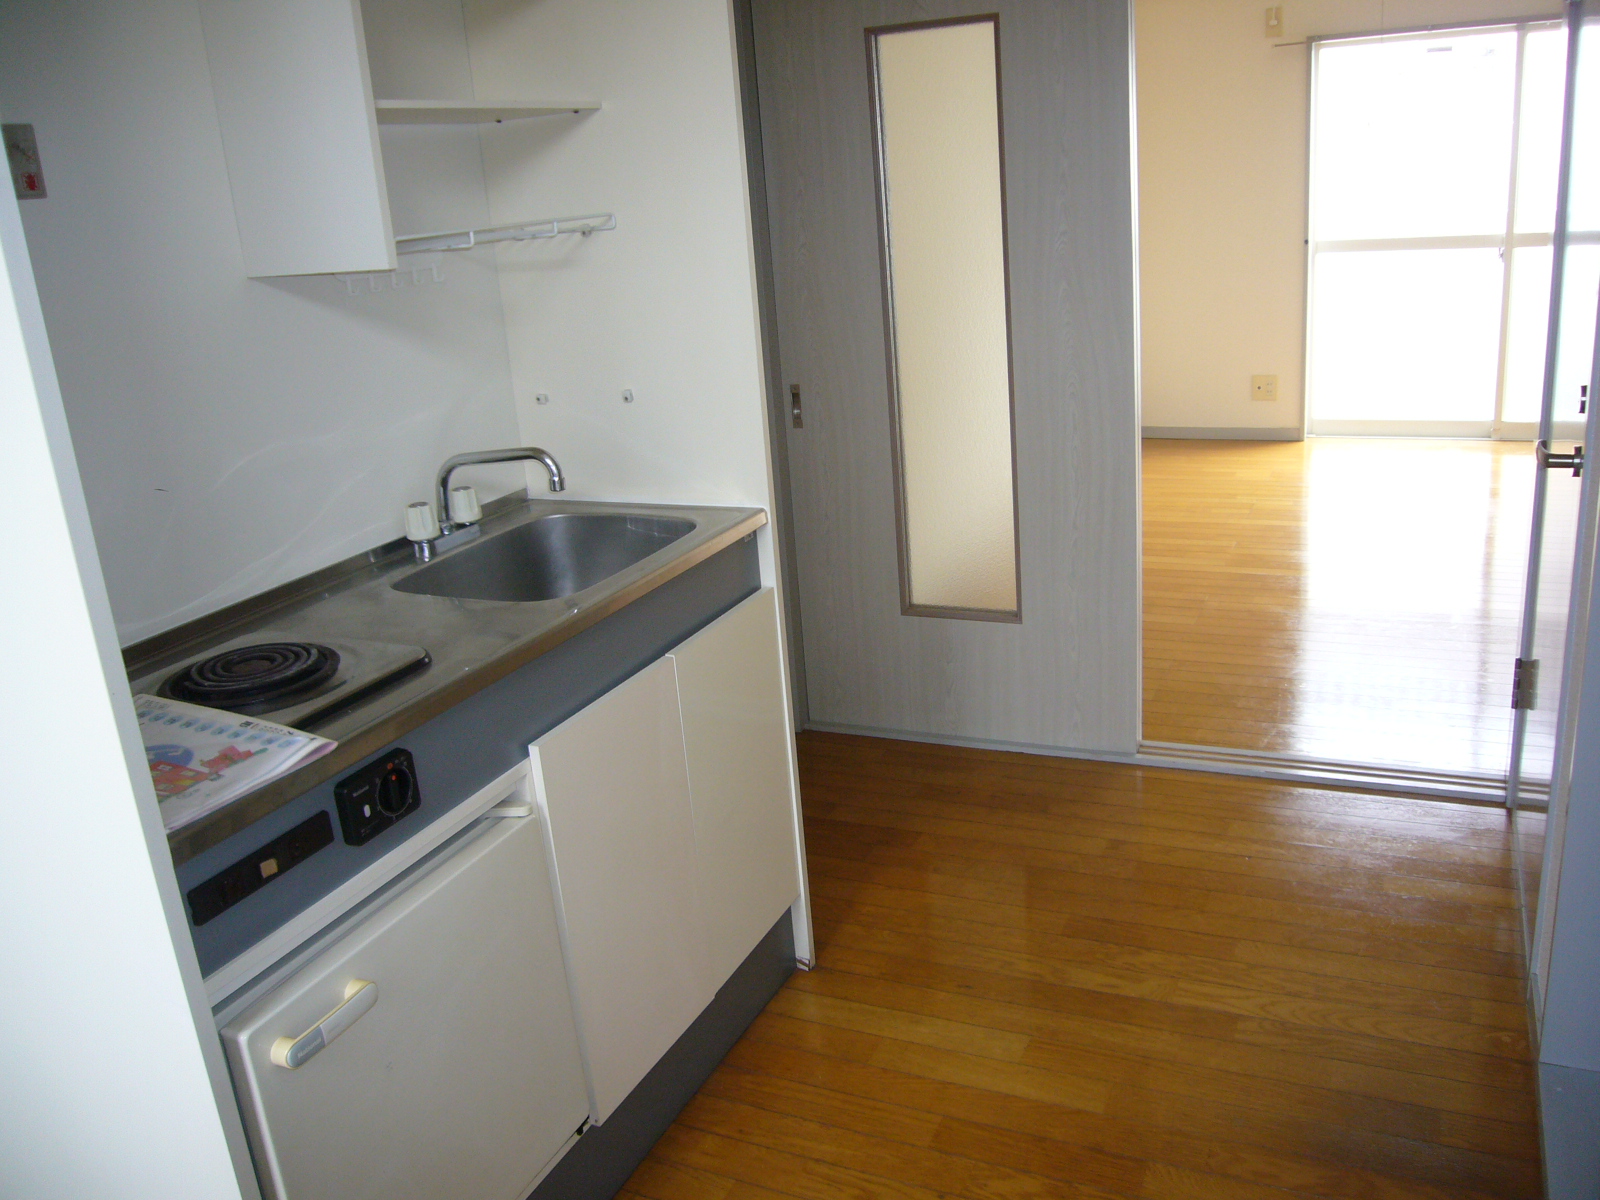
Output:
x=1045 y=977
x=1355 y=599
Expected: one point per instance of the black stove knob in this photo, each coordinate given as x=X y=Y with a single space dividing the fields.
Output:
x=375 y=797
x=396 y=787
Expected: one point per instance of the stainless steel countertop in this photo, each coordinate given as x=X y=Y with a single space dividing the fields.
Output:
x=473 y=642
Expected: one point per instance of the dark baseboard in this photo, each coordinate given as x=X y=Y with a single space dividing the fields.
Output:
x=1569 y=1114
x=601 y=1161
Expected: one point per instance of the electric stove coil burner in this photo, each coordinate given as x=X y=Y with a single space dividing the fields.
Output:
x=255 y=678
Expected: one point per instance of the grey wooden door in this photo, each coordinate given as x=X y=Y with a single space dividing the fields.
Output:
x=1067 y=675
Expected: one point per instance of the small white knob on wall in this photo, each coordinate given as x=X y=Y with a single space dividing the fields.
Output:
x=421 y=524
x=464 y=508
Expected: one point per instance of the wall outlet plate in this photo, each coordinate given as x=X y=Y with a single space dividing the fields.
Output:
x=1263 y=387
x=22 y=155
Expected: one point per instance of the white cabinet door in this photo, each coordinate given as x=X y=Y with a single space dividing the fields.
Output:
x=294 y=103
x=462 y=1080
x=614 y=791
x=736 y=733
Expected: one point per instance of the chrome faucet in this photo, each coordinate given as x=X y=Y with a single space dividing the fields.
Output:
x=516 y=454
x=450 y=533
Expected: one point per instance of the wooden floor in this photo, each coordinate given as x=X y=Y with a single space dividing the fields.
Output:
x=1052 y=978
x=1346 y=598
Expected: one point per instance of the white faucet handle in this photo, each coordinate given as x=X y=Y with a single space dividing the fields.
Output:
x=421 y=524
x=464 y=508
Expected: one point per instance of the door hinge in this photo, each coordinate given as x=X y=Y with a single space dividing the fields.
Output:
x=1559 y=462
x=1525 y=683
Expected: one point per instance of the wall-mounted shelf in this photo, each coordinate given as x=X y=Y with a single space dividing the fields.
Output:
x=522 y=231
x=305 y=163
x=454 y=112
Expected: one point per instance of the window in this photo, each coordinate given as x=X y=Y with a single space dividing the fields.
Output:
x=936 y=109
x=1434 y=163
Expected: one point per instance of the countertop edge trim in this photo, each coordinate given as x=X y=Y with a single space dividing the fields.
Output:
x=191 y=840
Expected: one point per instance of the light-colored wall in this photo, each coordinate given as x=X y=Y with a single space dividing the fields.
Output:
x=664 y=305
x=231 y=433
x=113 y=1084
x=1222 y=140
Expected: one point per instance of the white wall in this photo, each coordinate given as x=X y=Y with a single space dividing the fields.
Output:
x=1222 y=127
x=665 y=305
x=231 y=433
x=114 y=1082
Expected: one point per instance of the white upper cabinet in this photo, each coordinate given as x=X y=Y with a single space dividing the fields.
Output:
x=294 y=101
x=300 y=102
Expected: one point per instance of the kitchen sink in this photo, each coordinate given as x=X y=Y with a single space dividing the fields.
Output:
x=547 y=558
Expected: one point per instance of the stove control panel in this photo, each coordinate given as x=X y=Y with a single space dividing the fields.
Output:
x=378 y=795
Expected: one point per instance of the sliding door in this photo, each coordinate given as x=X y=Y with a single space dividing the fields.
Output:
x=1561 y=555
x=952 y=230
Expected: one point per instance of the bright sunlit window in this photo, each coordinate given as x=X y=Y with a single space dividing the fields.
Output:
x=1434 y=162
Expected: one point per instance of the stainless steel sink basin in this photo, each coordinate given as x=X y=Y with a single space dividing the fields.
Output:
x=546 y=559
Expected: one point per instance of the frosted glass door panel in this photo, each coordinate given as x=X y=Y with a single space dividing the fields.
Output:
x=1413 y=136
x=1406 y=335
x=1527 y=323
x=943 y=227
x=1584 y=201
x=1539 y=138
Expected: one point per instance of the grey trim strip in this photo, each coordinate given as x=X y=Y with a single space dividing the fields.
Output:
x=1358 y=777
x=1225 y=433
x=785 y=553
x=1480 y=787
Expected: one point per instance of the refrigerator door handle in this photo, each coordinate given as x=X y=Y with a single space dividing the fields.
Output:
x=293 y=1052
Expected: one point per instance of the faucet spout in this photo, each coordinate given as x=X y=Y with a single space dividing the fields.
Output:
x=558 y=482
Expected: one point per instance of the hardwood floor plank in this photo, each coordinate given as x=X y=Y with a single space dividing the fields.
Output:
x=1219 y=997
x=1046 y=978
x=1402 y=856
x=1197 y=1083
x=845 y=1148
x=658 y=1180
x=947 y=1084
x=804 y=1175
x=1292 y=605
x=1033 y=772
x=1113 y=1037
x=816 y=1079
x=1172 y=889
x=929 y=880
x=842 y=827
x=1329 y=868
x=1360 y=1048
x=1190 y=968
x=1484 y=849
x=1019 y=918
x=1050 y=1157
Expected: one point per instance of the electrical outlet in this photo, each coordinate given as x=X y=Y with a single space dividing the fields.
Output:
x=1263 y=387
x=22 y=154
